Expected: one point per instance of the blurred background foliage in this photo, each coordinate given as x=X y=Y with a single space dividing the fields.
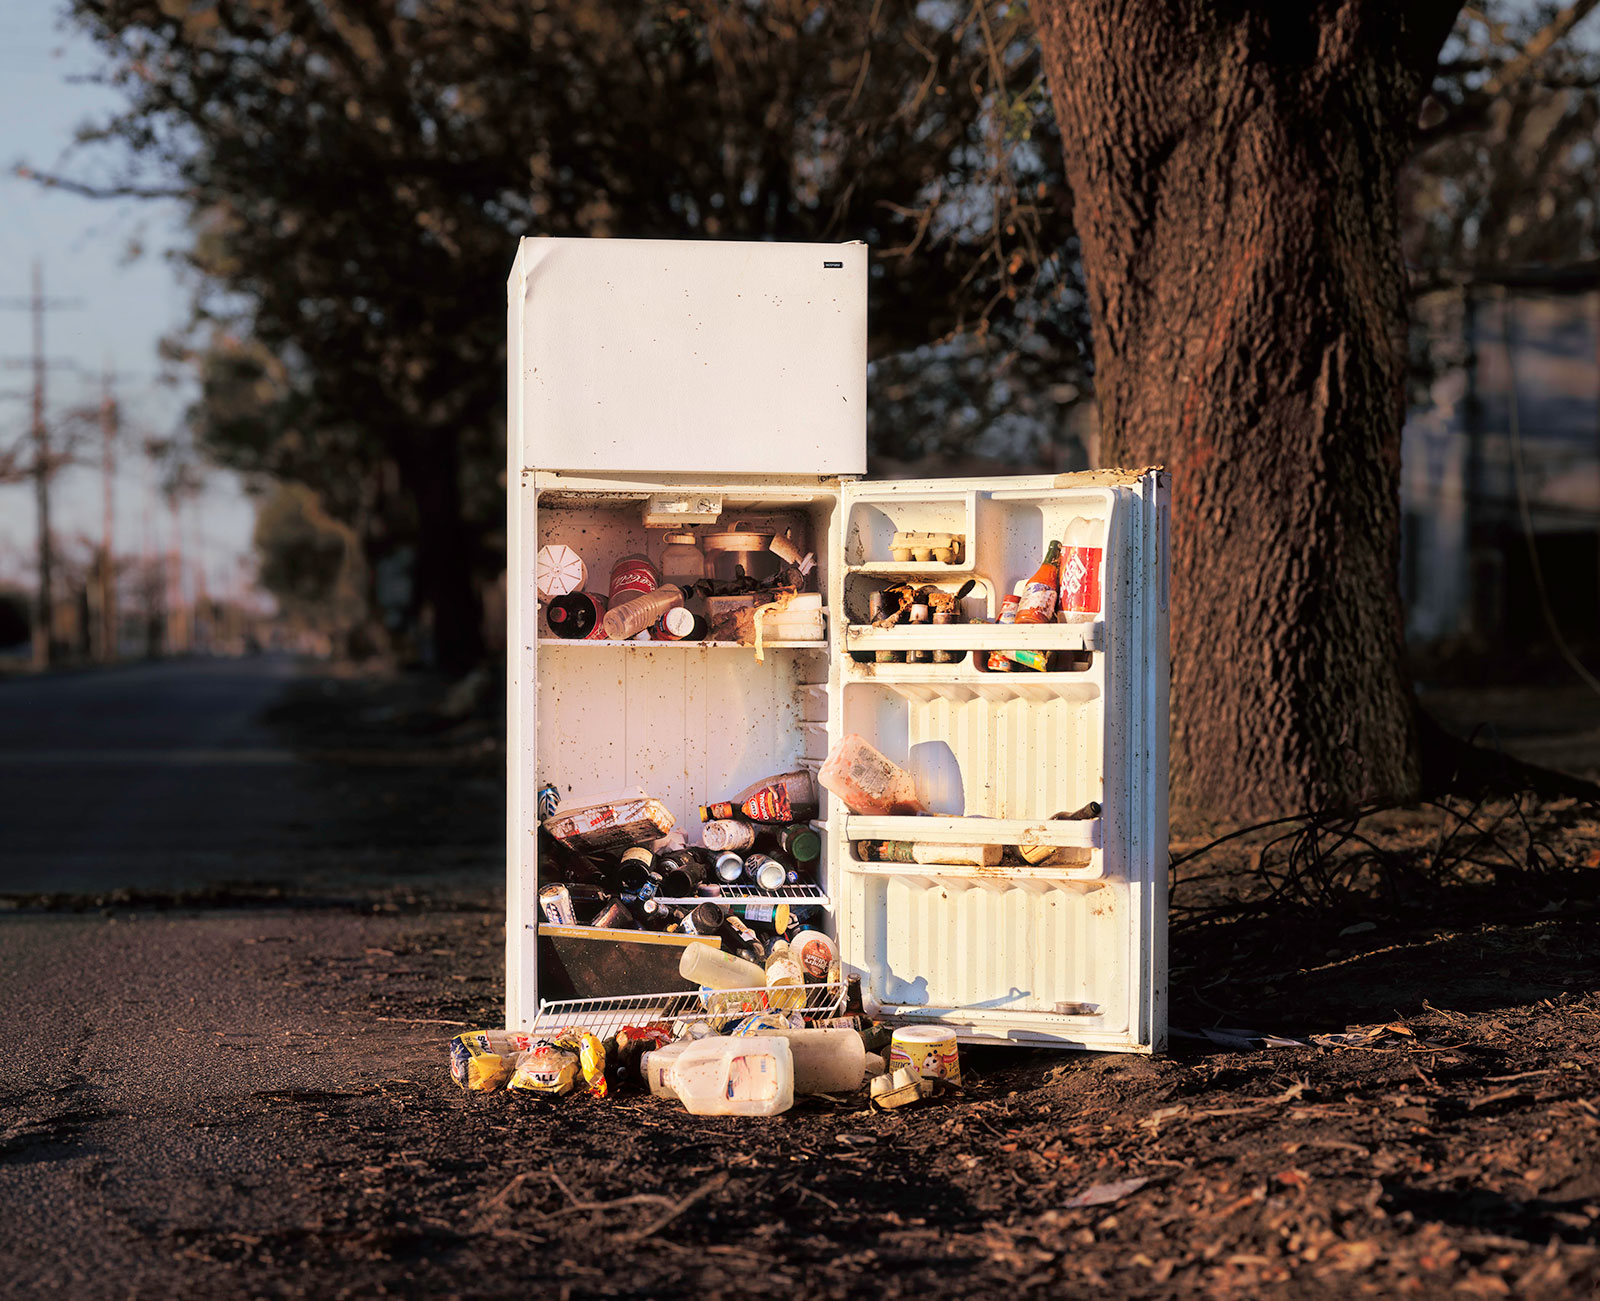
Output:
x=356 y=174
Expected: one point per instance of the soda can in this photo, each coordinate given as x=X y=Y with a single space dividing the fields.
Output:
x=730 y=868
x=556 y=902
x=766 y=871
x=549 y=800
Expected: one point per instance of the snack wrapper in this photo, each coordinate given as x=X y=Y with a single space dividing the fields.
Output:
x=556 y=1065
x=483 y=1060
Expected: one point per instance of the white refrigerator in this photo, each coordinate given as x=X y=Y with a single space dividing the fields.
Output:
x=728 y=381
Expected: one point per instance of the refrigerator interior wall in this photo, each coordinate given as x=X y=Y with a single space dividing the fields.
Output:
x=685 y=722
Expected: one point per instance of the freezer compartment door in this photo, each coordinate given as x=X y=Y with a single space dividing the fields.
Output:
x=683 y=356
x=1069 y=951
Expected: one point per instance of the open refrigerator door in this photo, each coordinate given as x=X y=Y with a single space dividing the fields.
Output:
x=1025 y=900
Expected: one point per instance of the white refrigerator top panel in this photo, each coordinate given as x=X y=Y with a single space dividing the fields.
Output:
x=668 y=356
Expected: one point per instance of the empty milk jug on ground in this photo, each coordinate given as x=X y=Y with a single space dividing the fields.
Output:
x=740 y=1076
x=868 y=781
x=825 y=1060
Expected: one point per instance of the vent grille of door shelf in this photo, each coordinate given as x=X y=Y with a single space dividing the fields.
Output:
x=718 y=1008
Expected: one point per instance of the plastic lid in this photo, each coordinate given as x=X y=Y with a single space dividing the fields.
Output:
x=680 y=540
x=924 y=1034
x=679 y=621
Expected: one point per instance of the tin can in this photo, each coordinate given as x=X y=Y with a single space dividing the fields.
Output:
x=556 y=903
x=614 y=917
x=633 y=576
x=549 y=801
x=730 y=868
x=920 y=614
x=929 y=1050
x=704 y=919
x=945 y=618
x=766 y=871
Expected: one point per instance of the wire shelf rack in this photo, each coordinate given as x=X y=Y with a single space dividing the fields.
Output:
x=720 y=1009
x=807 y=895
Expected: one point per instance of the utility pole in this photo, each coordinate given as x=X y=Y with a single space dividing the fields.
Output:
x=107 y=644
x=43 y=465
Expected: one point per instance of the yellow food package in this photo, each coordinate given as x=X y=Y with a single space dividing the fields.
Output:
x=482 y=1060
x=556 y=1064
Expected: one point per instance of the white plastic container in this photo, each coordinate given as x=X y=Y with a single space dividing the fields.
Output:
x=825 y=1060
x=705 y=964
x=656 y=1066
x=748 y=1075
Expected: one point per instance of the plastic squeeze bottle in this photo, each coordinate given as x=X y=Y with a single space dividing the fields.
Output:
x=705 y=964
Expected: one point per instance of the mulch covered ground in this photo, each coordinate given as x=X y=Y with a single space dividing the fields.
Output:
x=1456 y=1150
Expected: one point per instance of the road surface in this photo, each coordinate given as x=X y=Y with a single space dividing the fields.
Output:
x=168 y=778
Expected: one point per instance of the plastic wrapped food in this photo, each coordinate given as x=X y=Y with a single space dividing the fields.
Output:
x=483 y=1060
x=616 y=826
x=558 y=1063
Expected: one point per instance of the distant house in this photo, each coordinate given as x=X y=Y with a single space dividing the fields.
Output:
x=1505 y=452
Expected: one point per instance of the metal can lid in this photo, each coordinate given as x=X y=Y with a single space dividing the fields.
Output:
x=771 y=875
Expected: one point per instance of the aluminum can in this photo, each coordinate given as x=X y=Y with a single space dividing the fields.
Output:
x=556 y=903
x=614 y=917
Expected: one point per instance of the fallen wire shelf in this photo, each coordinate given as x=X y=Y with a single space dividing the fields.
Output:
x=720 y=1009
x=753 y=894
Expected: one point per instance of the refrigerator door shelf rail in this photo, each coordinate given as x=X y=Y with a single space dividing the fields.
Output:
x=810 y=895
x=1083 y=833
x=979 y=636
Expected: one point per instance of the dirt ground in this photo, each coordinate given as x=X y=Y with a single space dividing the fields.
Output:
x=254 y=1100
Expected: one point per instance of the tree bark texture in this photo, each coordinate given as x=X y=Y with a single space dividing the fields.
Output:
x=1232 y=167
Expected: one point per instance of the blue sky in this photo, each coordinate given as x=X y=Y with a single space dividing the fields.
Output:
x=127 y=304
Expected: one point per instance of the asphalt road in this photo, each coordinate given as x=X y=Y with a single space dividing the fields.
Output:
x=169 y=778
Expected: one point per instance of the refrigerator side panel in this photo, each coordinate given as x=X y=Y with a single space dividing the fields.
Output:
x=1156 y=720
x=691 y=356
x=522 y=694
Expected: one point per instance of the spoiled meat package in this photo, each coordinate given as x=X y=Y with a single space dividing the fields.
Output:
x=615 y=826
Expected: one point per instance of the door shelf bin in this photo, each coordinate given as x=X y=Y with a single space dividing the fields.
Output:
x=877 y=514
x=1084 y=833
x=962 y=682
x=1007 y=873
x=978 y=636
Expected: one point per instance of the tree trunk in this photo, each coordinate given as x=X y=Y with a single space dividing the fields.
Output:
x=444 y=578
x=1233 y=177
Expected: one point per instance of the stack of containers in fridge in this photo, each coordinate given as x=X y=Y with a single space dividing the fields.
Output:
x=725 y=384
